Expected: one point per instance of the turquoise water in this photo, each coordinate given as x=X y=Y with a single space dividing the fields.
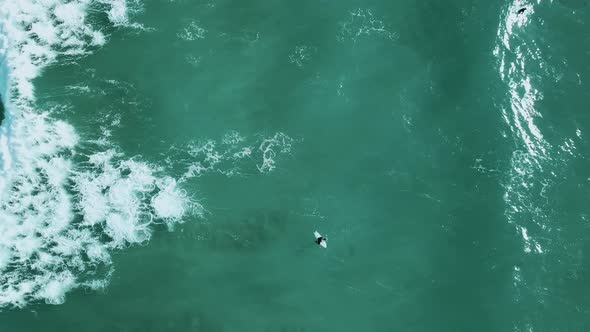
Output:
x=165 y=164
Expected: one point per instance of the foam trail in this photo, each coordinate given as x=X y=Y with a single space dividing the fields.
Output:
x=233 y=155
x=362 y=23
x=59 y=219
x=535 y=163
x=515 y=55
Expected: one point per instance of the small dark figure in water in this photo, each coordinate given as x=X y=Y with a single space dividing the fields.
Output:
x=320 y=240
x=521 y=10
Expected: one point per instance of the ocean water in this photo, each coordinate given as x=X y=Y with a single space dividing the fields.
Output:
x=164 y=164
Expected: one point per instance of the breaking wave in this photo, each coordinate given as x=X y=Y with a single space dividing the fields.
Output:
x=62 y=210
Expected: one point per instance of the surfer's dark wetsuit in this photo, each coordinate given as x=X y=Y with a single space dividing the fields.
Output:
x=521 y=10
x=320 y=239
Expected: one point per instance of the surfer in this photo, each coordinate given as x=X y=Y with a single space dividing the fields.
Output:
x=521 y=10
x=320 y=240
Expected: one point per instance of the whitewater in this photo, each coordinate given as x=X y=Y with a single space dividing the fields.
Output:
x=63 y=211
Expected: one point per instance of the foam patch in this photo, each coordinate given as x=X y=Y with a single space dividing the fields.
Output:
x=62 y=212
x=232 y=155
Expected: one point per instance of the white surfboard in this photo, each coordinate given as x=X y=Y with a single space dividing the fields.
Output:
x=323 y=244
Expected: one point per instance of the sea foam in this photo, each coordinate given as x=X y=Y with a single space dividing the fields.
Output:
x=537 y=163
x=62 y=211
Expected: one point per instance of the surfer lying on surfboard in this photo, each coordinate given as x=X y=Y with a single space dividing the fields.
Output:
x=320 y=240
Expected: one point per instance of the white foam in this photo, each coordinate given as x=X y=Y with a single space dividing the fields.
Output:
x=5 y=257
x=59 y=217
x=523 y=108
x=115 y=193
x=192 y=32
x=279 y=143
x=536 y=165
x=98 y=38
x=168 y=203
x=54 y=289
x=232 y=154
x=119 y=11
x=244 y=153
x=513 y=67
x=362 y=23
x=300 y=55
x=520 y=117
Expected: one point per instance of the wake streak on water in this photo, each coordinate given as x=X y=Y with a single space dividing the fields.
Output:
x=536 y=164
x=55 y=213
x=530 y=155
